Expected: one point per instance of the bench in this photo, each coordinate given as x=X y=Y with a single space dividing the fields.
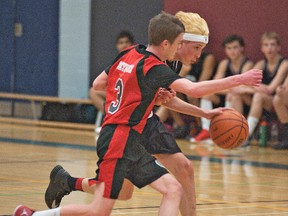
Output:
x=35 y=121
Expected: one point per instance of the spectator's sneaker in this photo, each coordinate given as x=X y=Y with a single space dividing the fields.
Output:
x=203 y=135
x=181 y=132
x=247 y=142
x=22 y=210
x=281 y=146
x=58 y=187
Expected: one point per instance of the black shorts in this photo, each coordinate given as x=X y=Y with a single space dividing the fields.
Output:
x=122 y=156
x=157 y=139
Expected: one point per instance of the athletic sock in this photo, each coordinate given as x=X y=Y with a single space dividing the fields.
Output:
x=75 y=184
x=252 y=123
x=228 y=104
x=205 y=105
x=50 y=212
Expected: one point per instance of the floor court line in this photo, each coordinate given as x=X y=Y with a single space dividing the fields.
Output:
x=92 y=148
x=247 y=204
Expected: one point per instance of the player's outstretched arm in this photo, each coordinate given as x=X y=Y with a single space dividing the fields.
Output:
x=252 y=77
x=181 y=106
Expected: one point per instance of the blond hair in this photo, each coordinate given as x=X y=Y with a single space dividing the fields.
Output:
x=271 y=35
x=193 y=23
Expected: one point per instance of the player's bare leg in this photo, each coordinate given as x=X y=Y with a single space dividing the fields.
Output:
x=99 y=206
x=182 y=168
x=172 y=193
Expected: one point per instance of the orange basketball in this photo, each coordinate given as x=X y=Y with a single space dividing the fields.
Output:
x=229 y=129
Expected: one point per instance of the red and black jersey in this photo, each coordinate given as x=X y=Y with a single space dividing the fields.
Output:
x=134 y=79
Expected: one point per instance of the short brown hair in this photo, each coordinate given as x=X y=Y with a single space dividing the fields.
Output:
x=231 y=38
x=162 y=27
x=271 y=35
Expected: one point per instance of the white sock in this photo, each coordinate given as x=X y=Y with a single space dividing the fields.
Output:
x=205 y=105
x=252 y=123
x=228 y=104
x=50 y=212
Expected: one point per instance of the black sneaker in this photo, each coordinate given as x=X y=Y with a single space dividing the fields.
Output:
x=58 y=187
x=281 y=146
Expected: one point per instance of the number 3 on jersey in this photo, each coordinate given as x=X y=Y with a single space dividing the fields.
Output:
x=114 y=106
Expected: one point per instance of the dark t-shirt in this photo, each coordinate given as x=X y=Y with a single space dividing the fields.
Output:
x=268 y=75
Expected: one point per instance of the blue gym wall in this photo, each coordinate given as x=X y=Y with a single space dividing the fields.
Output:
x=6 y=44
x=65 y=43
x=29 y=62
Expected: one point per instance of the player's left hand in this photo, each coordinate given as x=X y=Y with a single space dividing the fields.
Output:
x=164 y=96
x=212 y=113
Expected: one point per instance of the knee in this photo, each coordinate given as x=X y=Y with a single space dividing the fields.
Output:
x=174 y=189
x=125 y=196
x=277 y=100
x=185 y=169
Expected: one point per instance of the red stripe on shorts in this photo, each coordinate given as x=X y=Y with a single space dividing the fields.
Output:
x=114 y=152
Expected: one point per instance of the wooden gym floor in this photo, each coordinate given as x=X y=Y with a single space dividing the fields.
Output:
x=238 y=182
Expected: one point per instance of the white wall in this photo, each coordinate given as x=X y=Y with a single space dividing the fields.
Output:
x=74 y=49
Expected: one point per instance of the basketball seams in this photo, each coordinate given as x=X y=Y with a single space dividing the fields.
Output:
x=226 y=131
x=239 y=120
x=230 y=136
x=240 y=132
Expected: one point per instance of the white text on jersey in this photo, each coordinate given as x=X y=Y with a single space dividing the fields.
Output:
x=124 y=67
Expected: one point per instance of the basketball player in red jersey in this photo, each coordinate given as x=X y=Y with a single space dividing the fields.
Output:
x=158 y=141
x=130 y=97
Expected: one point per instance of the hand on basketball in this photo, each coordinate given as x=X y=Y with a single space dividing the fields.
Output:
x=252 y=77
x=214 y=112
x=164 y=96
x=229 y=130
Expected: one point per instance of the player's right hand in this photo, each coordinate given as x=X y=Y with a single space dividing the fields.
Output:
x=252 y=77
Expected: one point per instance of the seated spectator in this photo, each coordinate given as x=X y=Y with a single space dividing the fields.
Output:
x=280 y=103
x=235 y=63
x=274 y=68
x=202 y=70
x=123 y=40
